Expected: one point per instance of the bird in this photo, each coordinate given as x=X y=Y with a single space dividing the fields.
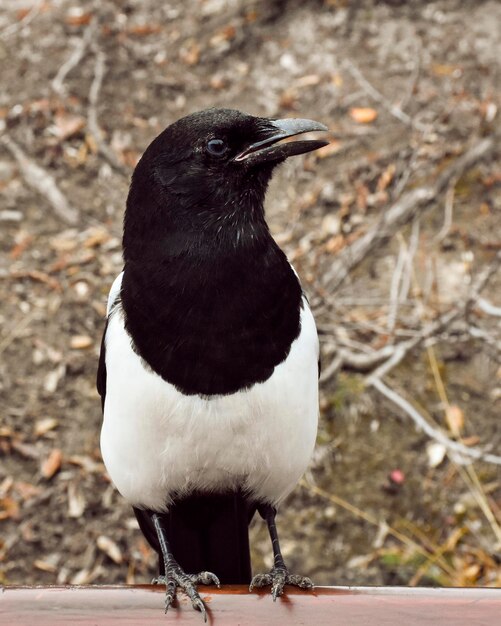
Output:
x=209 y=362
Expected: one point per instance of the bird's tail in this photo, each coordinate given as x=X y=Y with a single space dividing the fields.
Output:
x=206 y=532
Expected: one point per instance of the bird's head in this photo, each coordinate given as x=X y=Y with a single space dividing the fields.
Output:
x=210 y=170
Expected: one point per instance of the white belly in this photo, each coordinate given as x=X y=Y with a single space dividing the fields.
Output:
x=157 y=442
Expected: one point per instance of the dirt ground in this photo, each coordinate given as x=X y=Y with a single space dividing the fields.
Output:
x=410 y=91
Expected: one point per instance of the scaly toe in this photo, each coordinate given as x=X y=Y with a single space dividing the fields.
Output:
x=303 y=582
x=277 y=579
x=260 y=580
x=159 y=580
x=205 y=578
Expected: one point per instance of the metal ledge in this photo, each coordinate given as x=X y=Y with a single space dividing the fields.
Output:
x=142 y=605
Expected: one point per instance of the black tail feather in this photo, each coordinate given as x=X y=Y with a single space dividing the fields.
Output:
x=207 y=532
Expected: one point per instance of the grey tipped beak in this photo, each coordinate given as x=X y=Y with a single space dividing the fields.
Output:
x=292 y=126
x=269 y=149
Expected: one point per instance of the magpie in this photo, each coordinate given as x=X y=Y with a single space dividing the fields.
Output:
x=208 y=372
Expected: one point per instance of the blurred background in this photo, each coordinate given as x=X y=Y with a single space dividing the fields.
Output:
x=394 y=229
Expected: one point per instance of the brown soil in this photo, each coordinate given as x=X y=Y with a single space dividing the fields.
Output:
x=436 y=68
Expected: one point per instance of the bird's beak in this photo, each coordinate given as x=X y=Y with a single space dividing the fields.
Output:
x=274 y=149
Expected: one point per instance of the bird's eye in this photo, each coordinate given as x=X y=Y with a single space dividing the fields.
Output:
x=216 y=147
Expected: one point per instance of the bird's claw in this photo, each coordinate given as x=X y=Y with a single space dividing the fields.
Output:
x=277 y=578
x=169 y=598
x=198 y=605
x=176 y=578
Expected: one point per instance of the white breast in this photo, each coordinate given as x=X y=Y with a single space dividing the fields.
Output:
x=157 y=441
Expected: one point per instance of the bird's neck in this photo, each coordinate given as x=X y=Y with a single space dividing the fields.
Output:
x=210 y=230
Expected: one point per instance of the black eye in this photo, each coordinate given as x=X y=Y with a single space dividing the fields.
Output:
x=216 y=147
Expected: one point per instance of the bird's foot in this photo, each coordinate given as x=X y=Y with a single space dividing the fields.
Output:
x=175 y=578
x=277 y=578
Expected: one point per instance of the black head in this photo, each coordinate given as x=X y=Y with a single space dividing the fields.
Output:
x=208 y=172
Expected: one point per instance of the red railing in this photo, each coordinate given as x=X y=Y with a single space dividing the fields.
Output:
x=333 y=606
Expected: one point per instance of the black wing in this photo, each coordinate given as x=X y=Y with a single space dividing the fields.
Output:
x=101 y=369
x=319 y=362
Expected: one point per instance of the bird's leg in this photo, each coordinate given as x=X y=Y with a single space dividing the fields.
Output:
x=175 y=576
x=279 y=574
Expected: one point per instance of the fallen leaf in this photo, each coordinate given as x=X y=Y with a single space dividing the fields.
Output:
x=492 y=179
x=66 y=126
x=190 y=54
x=472 y=571
x=82 y=577
x=484 y=209
x=39 y=276
x=96 y=236
x=86 y=463
x=362 y=195
x=44 y=425
x=40 y=7
x=251 y=16
x=6 y=485
x=488 y=110
x=288 y=99
x=27 y=490
x=80 y=342
x=91 y=143
x=335 y=244
x=436 y=453
x=217 y=82
x=331 y=148
x=77 y=16
x=331 y=225
x=363 y=115
x=52 y=463
x=27 y=450
x=473 y=440
x=386 y=177
x=309 y=80
x=53 y=378
x=9 y=508
x=21 y=245
x=49 y=565
x=337 y=80
x=444 y=69
x=110 y=548
x=22 y=13
x=27 y=532
x=454 y=417
x=142 y=30
x=225 y=34
x=76 y=500
x=65 y=241
x=130 y=579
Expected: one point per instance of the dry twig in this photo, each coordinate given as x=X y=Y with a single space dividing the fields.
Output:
x=367 y=517
x=42 y=182
x=448 y=211
x=27 y=19
x=73 y=60
x=488 y=308
x=94 y=128
x=400 y=213
x=376 y=95
x=375 y=379
x=458 y=450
